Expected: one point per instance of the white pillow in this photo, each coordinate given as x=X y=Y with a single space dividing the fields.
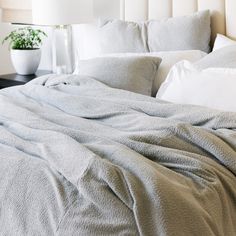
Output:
x=213 y=87
x=222 y=41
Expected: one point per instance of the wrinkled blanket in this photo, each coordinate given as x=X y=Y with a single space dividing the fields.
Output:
x=80 y=158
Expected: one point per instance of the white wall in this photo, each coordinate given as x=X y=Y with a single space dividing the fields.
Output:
x=5 y=63
x=5 y=60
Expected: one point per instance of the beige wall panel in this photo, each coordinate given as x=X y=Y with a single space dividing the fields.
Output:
x=122 y=9
x=159 y=9
x=230 y=7
x=136 y=10
x=217 y=8
x=184 y=7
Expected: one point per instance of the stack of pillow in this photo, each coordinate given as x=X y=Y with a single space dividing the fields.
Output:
x=139 y=56
x=172 y=34
x=172 y=40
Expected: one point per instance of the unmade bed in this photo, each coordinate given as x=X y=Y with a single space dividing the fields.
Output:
x=80 y=158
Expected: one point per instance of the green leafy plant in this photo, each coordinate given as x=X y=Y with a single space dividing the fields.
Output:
x=25 y=38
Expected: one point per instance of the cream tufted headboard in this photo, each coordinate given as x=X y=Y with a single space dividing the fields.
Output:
x=223 y=12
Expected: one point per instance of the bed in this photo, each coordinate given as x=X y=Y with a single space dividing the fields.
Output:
x=81 y=158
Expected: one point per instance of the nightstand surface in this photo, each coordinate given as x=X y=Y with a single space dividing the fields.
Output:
x=9 y=80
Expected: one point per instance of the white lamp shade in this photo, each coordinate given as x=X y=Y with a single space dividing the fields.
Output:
x=62 y=12
x=16 y=11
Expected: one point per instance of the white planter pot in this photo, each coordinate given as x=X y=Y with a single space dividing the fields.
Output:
x=26 y=62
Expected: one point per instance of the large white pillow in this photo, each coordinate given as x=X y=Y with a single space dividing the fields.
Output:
x=222 y=41
x=213 y=87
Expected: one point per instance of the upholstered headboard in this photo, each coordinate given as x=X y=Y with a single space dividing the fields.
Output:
x=223 y=12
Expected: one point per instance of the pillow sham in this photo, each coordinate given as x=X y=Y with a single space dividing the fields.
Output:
x=180 y=33
x=117 y=36
x=177 y=33
x=213 y=87
x=223 y=58
x=135 y=74
x=222 y=41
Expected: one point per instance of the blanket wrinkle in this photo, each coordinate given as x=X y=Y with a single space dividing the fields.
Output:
x=80 y=158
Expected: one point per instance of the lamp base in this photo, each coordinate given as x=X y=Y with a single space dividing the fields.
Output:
x=63 y=53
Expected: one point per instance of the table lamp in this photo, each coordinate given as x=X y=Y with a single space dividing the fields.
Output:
x=61 y=14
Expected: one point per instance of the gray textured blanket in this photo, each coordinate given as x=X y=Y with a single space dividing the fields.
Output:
x=79 y=158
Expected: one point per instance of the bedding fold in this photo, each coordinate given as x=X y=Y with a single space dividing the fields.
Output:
x=80 y=158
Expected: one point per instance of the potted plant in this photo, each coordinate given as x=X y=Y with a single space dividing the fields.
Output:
x=25 y=49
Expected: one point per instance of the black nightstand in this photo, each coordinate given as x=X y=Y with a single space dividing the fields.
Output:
x=15 y=79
